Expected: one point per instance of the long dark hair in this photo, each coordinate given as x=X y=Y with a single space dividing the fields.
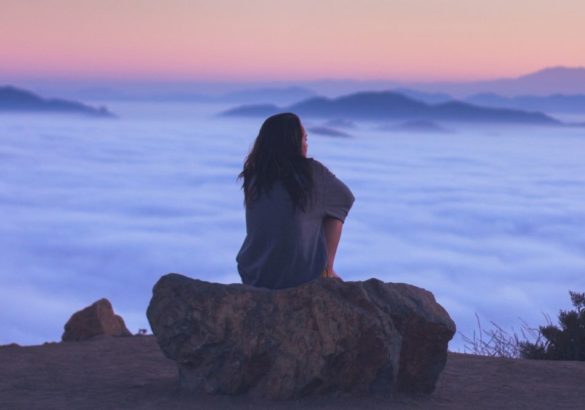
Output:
x=277 y=155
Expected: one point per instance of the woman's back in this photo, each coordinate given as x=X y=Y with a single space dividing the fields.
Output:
x=285 y=246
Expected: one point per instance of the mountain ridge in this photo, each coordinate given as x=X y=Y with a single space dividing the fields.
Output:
x=546 y=81
x=13 y=99
x=389 y=105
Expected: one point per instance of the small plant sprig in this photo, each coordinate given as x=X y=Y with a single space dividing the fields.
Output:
x=496 y=341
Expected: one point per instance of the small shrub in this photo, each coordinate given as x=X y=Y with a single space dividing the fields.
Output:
x=563 y=342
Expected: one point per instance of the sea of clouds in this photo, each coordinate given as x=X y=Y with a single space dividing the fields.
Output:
x=490 y=220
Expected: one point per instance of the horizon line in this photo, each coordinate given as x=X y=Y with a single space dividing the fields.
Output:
x=168 y=79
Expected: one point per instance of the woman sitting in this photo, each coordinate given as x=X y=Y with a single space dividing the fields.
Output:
x=295 y=209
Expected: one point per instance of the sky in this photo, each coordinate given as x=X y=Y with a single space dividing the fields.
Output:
x=255 y=40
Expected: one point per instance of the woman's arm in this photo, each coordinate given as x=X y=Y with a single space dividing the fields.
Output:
x=332 y=228
x=337 y=201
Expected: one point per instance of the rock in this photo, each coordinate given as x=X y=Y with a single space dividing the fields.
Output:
x=95 y=320
x=324 y=336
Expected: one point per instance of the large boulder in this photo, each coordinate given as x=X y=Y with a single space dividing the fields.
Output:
x=95 y=320
x=323 y=336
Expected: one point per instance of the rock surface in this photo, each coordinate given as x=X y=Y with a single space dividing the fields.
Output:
x=95 y=320
x=324 y=336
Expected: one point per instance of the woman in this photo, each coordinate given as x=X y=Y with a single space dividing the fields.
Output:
x=295 y=209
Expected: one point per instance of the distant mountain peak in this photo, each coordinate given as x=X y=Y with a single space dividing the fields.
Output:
x=13 y=99
x=383 y=95
x=556 y=72
x=559 y=69
x=388 y=105
x=547 y=81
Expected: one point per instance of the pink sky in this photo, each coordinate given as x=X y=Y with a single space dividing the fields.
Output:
x=289 y=40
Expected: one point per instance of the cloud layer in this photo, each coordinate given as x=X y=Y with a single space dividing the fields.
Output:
x=489 y=221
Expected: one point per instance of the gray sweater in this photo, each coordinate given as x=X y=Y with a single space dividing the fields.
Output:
x=284 y=246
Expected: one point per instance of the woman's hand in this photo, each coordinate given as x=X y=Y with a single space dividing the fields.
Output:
x=330 y=273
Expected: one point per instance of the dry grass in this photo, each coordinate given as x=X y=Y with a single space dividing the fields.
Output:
x=495 y=341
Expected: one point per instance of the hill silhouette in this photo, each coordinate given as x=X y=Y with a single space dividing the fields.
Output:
x=388 y=105
x=14 y=99
x=550 y=80
x=556 y=103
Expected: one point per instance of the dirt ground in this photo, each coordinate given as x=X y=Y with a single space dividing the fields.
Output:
x=132 y=373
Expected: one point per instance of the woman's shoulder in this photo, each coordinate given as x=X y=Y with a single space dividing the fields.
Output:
x=318 y=166
x=323 y=176
x=338 y=196
x=321 y=170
